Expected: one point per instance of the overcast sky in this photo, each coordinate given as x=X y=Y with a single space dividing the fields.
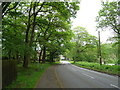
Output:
x=86 y=18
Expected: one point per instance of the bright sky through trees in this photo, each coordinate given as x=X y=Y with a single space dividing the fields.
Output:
x=86 y=18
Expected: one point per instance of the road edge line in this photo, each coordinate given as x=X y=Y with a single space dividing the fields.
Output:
x=114 y=86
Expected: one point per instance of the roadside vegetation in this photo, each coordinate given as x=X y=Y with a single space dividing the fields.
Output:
x=85 y=47
x=27 y=78
x=89 y=52
x=109 y=69
x=34 y=32
x=41 y=32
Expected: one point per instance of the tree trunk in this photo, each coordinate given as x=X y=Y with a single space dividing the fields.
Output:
x=17 y=57
x=74 y=59
x=65 y=58
x=25 y=62
x=51 y=57
x=44 y=54
x=118 y=48
x=40 y=56
x=34 y=24
x=100 y=56
x=9 y=53
x=34 y=21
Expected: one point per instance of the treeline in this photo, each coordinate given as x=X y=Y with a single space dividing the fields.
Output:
x=85 y=47
x=88 y=48
x=108 y=19
x=36 y=29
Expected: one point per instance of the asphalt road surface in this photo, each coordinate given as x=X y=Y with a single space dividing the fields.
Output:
x=67 y=75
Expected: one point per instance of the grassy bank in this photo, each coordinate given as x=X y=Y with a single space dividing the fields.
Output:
x=27 y=78
x=114 y=70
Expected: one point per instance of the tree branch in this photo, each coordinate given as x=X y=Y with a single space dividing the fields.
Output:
x=5 y=5
x=16 y=3
x=38 y=9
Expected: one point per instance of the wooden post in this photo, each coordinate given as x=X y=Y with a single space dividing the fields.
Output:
x=119 y=34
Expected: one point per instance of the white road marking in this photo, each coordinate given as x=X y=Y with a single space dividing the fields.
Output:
x=114 y=86
x=93 y=71
x=81 y=68
x=86 y=69
x=88 y=76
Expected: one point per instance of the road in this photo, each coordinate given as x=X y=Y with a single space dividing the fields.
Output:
x=67 y=75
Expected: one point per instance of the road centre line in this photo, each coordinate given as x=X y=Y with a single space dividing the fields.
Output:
x=114 y=86
x=88 y=76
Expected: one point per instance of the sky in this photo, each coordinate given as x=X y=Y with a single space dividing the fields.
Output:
x=86 y=18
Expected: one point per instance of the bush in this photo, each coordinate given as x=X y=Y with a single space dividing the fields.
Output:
x=9 y=72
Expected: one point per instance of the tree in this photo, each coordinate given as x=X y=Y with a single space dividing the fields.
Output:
x=7 y=6
x=32 y=25
x=81 y=42
x=13 y=37
x=109 y=54
x=109 y=18
x=54 y=25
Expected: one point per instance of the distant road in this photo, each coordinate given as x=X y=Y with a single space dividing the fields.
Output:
x=71 y=76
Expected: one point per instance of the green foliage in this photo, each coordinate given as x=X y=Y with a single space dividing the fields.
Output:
x=109 y=54
x=108 y=16
x=83 y=46
x=34 y=25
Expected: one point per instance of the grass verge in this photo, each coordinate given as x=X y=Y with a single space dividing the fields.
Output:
x=27 y=78
x=114 y=70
